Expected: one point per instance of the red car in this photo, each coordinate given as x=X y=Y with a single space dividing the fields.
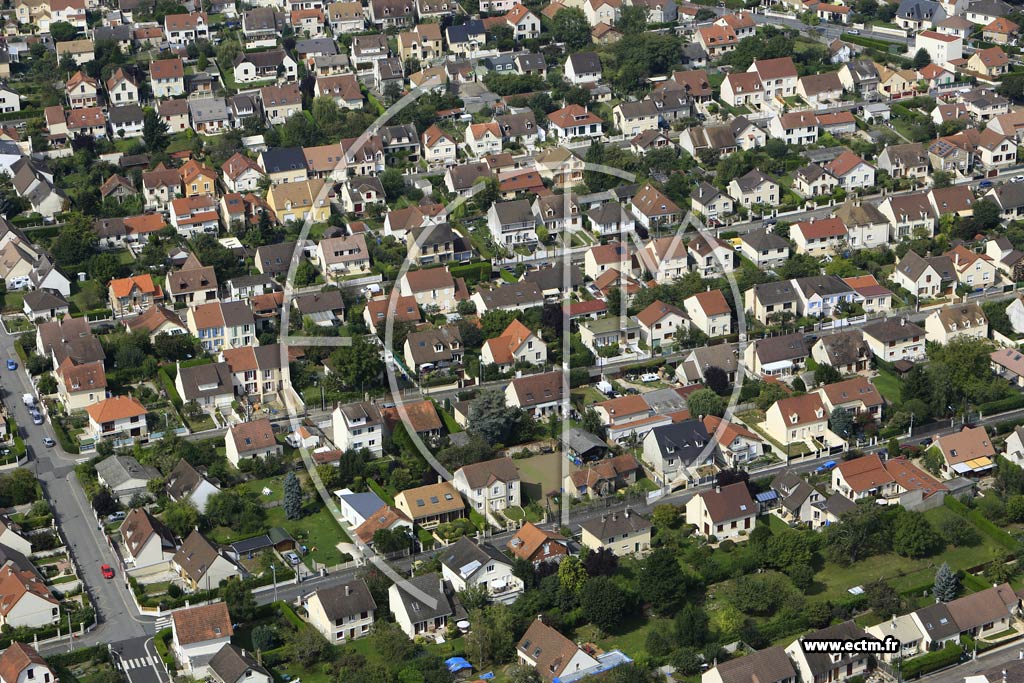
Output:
x=108 y=572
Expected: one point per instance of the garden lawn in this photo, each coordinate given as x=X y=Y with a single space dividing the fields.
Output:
x=631 y=635
x=318 y=531
x=889 y=386
x=903 y=573
x=540 y=474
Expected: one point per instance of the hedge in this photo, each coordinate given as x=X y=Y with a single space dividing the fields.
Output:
x=472 y=273
x=64 y=438
x=1015 y=402
x=19 y=443
x=291 y=617
x=932 y=661
x=96 y=653
x=984 y=525
x=172 y=391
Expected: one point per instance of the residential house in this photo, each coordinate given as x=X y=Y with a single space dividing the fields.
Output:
x=727 y=512
x=624 y=533
x=344 y=612
x=198 y=633
x=428 y=506
x=894 y=339
x=959 y=321
x=468 y=565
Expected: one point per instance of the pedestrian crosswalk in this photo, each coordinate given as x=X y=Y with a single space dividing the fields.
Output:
x=138 y=662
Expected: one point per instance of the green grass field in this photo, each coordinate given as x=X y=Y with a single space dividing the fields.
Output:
x=889 y=386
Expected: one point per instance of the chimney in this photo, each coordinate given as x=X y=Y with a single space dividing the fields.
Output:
x=626 y=513
x=1004 y=675
x=540 y=618
x=348 y=589
x=718 y=489
x=956 y=258
x=903 y=322
x=439 y=479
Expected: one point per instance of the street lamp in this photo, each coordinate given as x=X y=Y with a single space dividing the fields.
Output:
x=273 y=570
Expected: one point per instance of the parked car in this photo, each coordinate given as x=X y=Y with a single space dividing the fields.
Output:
x=117 y=516
x=292 y=558
x=108 y=571
x=649 y=377
x=48 y=442
x=985 y=184
x=37 y=418
x=825 y=466
x=11 y=364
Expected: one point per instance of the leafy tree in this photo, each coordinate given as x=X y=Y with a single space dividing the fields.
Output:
x=661 y=585
x=1000 y=569
x=986 y=214
x=493 y=638
x=237 y=594
x=103 y=502
x=572 y=576
x=840 y=421
x=603 y=603
x=495 y=421
x=591 y=422
x=75 y=243
x=62 y=31
x=474 y=597
x=292 y=496
x=704 y=402
x=307 y=647
x=921 y=59
x=687 y=661
x=860 y=533
x=601 y=562
x=882 y=598
x=392 y=540
x=570 y=26
x=691 y=625
x=521 y=673
x=826 y=374
x=947 y=585
x=174 y=347
x=357 y=366
x=154 y=131
x=181 y=517
x=717 y=380
x=237 y=509
x=265 y=637
x=913 y=536
x=633 y=19
x=799 y=265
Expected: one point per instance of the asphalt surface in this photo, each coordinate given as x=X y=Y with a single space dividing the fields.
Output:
x=119 y=619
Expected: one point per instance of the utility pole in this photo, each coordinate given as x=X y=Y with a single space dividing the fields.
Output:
x=273 y=569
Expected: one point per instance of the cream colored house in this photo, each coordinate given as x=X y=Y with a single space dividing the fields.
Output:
x=624 y=533
x=797 y=419
x=25 y=600
x=959 y=321
x=432 y=288
x=342 y=613
x=80 y=386
x=895 y=339
x=517 y=344
x=709 y=312
x=727 y=512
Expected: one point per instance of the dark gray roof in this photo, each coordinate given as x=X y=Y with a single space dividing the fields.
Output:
x=324 y=46
x=43 y=300
x=275 y=258
x=769 y=293
x=580 y=441
x=1008 y=195
x=762 y=240
x=118 y=469
x=684 y=440
x=585 y=62
x=320 y=302
x=893 y=329
x=232 y=663
x=722 y=356
x=553 y=277
x=516 y=211
x=752 y=179
x=515 y=294
x=615 y=524
x=283 y=159
x=128 y=113
x=464 y=556
x=821 y=662
x=215 y=375
x=346 y=600
x=920 y=10
x=846 y=347
x=769 y=665
x=937 y=621
x=183 y=480
x=462 y=32
x=822 y=285
x=530 y=61
x=785 y=347
x=419 y=610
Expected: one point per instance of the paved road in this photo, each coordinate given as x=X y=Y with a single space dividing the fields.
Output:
x=139 y=660
x=55 y=471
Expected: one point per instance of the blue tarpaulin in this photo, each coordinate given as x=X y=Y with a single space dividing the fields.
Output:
x=487 y=676
x=456 y=664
